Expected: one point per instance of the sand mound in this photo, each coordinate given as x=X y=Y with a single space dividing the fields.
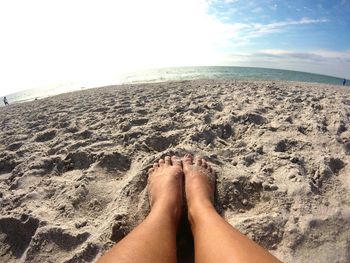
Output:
x=73 y=168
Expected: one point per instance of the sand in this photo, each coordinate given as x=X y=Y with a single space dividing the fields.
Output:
x=73 y=168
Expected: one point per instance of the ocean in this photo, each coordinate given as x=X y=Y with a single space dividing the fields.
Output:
x=183 y=73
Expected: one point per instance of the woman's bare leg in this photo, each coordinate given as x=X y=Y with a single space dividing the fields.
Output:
x=214 y=239
x=154 y=240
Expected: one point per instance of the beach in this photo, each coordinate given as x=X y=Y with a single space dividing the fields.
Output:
x=73 y=167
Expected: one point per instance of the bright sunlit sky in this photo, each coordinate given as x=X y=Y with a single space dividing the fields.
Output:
x=53 y=42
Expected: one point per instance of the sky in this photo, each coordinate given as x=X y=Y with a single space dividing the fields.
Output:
x=60 y=42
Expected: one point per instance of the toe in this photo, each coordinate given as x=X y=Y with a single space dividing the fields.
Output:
x=161 y=162
x=188 y=159
x=155 y=165
x=198 y=161
x=204 y=164
x=167 y=160
x=175 y=161
x=151 y=170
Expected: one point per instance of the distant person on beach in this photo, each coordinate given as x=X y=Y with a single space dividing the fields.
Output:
x=154 y=240
x=344 y=82
x=5 y=101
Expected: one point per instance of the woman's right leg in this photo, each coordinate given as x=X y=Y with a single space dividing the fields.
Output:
x=214 y=239
x=154 y=240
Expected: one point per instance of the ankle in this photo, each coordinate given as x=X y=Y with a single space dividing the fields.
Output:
x=166 y=211
x=198 y=209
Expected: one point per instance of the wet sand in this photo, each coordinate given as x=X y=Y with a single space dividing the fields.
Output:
x=73 y=167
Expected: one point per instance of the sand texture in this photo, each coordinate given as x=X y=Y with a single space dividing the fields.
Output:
x=73 y=168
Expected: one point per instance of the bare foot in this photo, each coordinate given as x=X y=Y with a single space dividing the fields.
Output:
x=165 y=186
x=199 y=182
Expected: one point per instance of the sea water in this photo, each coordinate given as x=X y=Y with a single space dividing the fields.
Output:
x=183 y=73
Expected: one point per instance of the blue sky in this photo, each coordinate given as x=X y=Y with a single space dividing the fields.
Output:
x=93 y=42
x=309 y=36
x=330 y=29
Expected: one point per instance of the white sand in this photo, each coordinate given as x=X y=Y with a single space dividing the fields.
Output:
x=73 y=167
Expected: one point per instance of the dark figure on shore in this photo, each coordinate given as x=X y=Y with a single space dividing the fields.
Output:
x=5 y=101
x=344 y=82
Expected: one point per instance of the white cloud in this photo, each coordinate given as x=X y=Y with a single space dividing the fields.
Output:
x=257 y=10
x=273 y=7
x=317 y=56
x=318 y=61
x=256 y=30
x=235 y=35
x=230 y=1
